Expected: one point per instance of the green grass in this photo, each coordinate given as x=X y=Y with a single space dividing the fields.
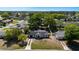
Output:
x=46 y=44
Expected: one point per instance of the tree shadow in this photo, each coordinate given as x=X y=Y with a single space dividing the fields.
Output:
x=10 y=42
x=73 y=45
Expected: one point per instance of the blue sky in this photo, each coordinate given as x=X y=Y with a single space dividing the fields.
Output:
x=39 y=8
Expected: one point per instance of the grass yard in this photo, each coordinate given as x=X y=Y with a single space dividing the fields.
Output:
x=46 y=44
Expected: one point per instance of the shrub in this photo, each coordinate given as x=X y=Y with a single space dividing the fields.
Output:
x=22 y=37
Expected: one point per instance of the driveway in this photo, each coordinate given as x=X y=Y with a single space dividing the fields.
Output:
x=60 y=42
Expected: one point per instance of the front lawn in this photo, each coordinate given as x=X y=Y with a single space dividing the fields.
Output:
x=46 y=44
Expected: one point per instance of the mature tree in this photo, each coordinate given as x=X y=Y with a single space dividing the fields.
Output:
x=59 y=24
x=58 y=16
x=16 y=32
x=12 y=34
x=71 y=32
x=38 y=20
x=8 y=34
x=5 y=15
x=49 y=22
x=77 y=14
x=35 y=20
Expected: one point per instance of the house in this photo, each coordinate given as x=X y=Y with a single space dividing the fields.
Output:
x=10 y=17
x=1 y=17
x=21 y=24
x=11 y=26
x=38 y=34
x=59 y=35
x=1 y=20
x=7 y=21
x=2 y=33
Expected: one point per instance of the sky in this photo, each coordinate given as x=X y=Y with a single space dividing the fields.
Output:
x=39 y=8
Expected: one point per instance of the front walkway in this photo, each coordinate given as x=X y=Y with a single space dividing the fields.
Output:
x=28 y=47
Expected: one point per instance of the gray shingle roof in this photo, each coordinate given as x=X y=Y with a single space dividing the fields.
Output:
x=59 y=34
x=39 y=33
x=2 y=33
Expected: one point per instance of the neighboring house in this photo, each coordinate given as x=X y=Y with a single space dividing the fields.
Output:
x=7 y=21
x=21 y=24
x=38 y=34
x=12 y=17
x=1 y=20
x=59 y=35
x=11 y=26
x=1 y=17
x=2 y=33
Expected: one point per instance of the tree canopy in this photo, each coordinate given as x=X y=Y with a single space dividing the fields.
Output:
x=12 y=34
x=5 y=15
x=58 y=16
x=38 y=19
x=35 y=20
x=72 y=32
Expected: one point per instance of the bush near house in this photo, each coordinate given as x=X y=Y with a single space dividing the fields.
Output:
x=22 y=37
